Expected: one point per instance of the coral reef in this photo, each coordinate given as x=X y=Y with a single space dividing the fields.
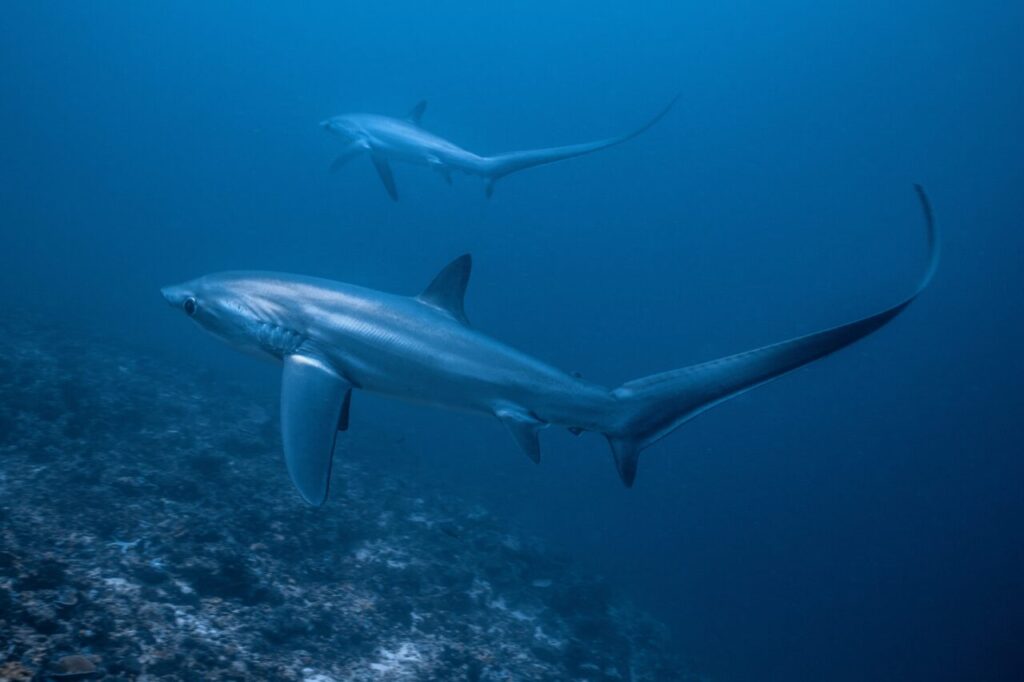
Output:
x=147 y=531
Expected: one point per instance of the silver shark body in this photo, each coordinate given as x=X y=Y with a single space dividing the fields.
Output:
x=403 y=140
x=385 y=139
x=333 y=338
x=393 y=345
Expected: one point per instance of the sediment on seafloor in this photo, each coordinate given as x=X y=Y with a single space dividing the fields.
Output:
x=147 y=531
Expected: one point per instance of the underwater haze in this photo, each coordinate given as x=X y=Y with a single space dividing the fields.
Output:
x=861 y=518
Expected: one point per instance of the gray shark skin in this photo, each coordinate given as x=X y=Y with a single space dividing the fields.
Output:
x=385 y=139
x=333 y=338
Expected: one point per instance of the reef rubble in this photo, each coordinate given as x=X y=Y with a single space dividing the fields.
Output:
x=147 y=533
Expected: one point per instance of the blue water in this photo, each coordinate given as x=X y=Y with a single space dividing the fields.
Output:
x=861 y=519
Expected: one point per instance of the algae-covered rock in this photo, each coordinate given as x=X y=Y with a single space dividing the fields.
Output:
x=13 y=671
x=74 y=667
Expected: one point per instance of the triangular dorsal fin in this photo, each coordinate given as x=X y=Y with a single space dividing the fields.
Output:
x=448 y=290
x=416 y=114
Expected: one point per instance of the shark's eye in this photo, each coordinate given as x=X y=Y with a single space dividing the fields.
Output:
x=190 y=306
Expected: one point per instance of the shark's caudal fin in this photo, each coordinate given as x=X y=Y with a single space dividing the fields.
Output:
x=495 y=167
x=654 y=406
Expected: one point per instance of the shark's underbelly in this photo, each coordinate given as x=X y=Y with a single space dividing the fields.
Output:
x=424 y=150
x=458 y=374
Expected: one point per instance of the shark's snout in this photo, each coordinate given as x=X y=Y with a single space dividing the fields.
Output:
x=173 y=295
x=180 y=297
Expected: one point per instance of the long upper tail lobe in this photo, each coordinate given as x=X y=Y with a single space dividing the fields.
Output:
x=496 y=167
x=654 y=406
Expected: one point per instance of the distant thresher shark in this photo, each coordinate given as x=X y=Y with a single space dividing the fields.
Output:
x=385 y=139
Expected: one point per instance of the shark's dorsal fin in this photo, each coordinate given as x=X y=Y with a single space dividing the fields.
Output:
x=447 y=291
x=416 y=114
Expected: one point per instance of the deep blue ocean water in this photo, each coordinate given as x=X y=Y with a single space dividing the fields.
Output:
x=860 y=519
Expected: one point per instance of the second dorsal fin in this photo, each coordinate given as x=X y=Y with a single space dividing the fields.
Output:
x=447 y=291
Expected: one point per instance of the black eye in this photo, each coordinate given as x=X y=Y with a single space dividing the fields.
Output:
x=190 y=306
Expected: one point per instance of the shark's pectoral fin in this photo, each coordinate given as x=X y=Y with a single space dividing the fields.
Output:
x=524 y=427
x=346 y=405
x=380 y=162
x=344 y=157
x=447 y=291
x=314 y=407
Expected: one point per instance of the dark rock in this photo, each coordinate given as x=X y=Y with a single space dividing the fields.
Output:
x=229 y=578
x=41 y=616
x=165 y=665
x=45 y=574
x=285 y=625
x=7 y=562
x=66 y=601
x=129 y=666
x=209 y=466
x=150 y=575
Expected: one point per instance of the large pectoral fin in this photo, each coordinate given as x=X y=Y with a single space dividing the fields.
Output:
x=345 y=156
x=314 y=406
x=380 y=162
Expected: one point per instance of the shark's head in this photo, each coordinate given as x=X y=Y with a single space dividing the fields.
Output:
x=240 y=309
x=343 y=126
